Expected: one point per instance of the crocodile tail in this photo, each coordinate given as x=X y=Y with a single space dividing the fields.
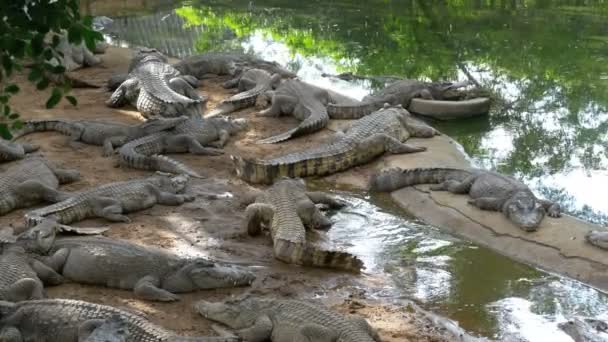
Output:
x=165 y=164
x=312 y=124
x=253 y=171
x=57 y=125
x=307 y=255
x=351 y=112
x=393 y=179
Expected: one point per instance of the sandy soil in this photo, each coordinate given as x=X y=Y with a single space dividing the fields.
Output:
x=211 y=225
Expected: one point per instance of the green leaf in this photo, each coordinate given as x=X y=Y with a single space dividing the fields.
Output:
x=3 y=99
x=7 y=110
x=7 y=64
x=75 y=34
x=35 y=74
x=48 y=54
x=11 y=88
x=56 y=41
x=5 y=132
x=58 y=69
x=18 y=48
x=17 y=124
x=72 y=100
x=43 y=84
x=87 y=21
x=14 y=116
x=54 y=99
x=37 y=45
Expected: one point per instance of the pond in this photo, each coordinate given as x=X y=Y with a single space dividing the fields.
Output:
x=546 y=61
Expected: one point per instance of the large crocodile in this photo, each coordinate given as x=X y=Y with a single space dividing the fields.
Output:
x=157 y=89
x=111 y=201
x=152 y=273
x=107 y=134
x=400 y=92
x=190 y=136
x=32 y=181
x=14 y=151
x=368 y=138
x=61 y=320
x=257 y=319
x=288 y=209
x=488 y=191
x=251 y=84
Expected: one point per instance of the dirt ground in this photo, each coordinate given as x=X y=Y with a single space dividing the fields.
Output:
x=209 y=226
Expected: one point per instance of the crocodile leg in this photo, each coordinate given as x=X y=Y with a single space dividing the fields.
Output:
x=454 y=186
x=57 y=260
x=65 y=176
x=167 y=198
x=87 y=327
x=108 y=208
x=315 y=332
x=148 y=288
x=24 y=289
x=33 y=189
x=362 y=322
x=10 y=334
x=319 y=197
x=311 y=216
x=28 y=148
x=224 y=136
x=46 y=273
x=260 y=331
x=110 y=143
x=119 y=96
x=181 y=86
x=395 y=146
x=257 y=214
x=246 y=83
x=185 y=142
x=280 y=104
x=487 y=203
x=553 y=209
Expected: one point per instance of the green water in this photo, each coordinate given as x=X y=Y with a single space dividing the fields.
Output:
x=546 y=63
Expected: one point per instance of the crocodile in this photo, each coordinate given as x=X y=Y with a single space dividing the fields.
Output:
x=63 y=320
x=585 y=329
x=400 y=92
x=113 y=329
x=14 y=151
x=31 y=181
x=369 y=137
x=107 y=134
x=251 y=84
x=488 y=191
x=155 y=88
x=288 y=209
x=276 y=320
x=111 y=201
x=189 y=136
x=151 y=273
x=597 y=238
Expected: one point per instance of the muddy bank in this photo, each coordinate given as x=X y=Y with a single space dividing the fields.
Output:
x=211 y=225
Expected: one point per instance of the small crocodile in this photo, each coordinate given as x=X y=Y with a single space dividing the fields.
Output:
x=107 y=134
x=13 y=151
x=189 y=136
x=152 y=273
x=113 y=329
x=400 y=92
x=155 y=88
x=251 y=84
x=111 y=201
x=30 y=182
x=488 y=191
x=288 y=209
x=275 y=320
x=63 y=320
x=369 y=137
x=598 y=238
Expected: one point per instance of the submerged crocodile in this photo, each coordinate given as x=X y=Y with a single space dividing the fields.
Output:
x=368 y=138
x=61 y=320
x=107 y=134
x=152 y=273
x=488 y=191
x=111 y=201
x=190 y=136
x=598 y=238
x=257 y=319
x=288 y=209
x=155 y=88
x=13 y=151
x=251 y=84
x=400 y=92
x=31 y=181
x=113 y=329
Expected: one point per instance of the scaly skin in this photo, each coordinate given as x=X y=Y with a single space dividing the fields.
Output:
x=488 y=191
x=30 y=182
x=61 y=320
x=276 y=320
x=113 y=329
x=287 y=208
x=13 y=151
x=368 y=138
x=251 y=84
x=152 y=273
x=189 y=136
x=111 y=201
x=400 y=92
x=107 y=134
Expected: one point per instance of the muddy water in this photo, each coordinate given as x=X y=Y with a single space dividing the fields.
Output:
x=544 y=60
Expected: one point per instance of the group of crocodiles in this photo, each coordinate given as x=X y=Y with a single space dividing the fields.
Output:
x=166 y=96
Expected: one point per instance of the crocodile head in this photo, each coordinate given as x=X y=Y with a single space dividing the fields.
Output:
x=598 y=238
x=524 y=210
x=201 y=274
x=444 y=90
x=170 y=183
x=237 y=314
x=231 y=125
x=39 y=238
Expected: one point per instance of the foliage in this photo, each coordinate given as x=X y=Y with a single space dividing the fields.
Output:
x=29 y=33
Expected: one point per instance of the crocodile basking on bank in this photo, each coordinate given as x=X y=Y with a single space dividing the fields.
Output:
x=13 y=151
x=31 y=181
x=65 y=320
x=369 y=137
x=111 y=201
x=107 y=134
x=257 y=319
x=155 y=88
x=251 y=84
x=488 y=191
x=151 y=273
x=190 y=136
x=400 y=92
x=288 y=209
